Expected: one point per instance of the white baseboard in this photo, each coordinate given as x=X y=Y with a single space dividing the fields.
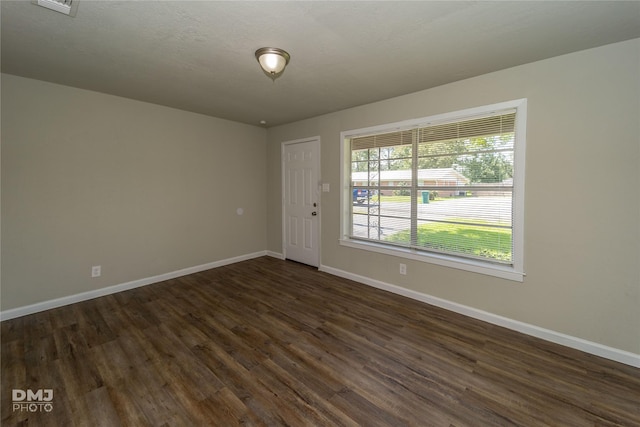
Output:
x=275 y=254
x=610 y=353
x=71 y=299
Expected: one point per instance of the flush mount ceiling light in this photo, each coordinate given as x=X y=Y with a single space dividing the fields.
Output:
x=272 y=60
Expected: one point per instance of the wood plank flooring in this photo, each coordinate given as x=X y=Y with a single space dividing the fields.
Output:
x=267 y=342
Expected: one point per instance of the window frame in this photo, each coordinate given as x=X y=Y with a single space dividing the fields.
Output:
x=514 y=271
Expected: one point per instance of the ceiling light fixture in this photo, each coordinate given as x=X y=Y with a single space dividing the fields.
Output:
x=272 y=60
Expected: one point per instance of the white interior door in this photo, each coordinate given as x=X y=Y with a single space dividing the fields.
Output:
x=301 y=164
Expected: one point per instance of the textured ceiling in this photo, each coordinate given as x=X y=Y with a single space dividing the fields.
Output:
x=199 y=56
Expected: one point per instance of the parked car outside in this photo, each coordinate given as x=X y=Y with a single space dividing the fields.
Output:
x=360 y=195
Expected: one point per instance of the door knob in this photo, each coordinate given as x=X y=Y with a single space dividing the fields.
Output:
x=314 y=213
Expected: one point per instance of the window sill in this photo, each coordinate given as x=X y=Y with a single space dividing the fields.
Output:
x=501 y=271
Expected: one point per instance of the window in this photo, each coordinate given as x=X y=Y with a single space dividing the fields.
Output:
x=446 y=189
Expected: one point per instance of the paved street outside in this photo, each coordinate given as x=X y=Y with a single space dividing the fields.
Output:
x=393 y=217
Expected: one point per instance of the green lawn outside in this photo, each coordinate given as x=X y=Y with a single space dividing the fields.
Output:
x=474 y=240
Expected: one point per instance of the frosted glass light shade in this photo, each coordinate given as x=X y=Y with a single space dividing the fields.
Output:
x=272 y=60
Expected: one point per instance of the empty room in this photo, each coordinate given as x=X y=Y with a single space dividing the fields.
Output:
x=310 y=213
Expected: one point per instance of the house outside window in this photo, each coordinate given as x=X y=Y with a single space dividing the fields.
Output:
x=447 y=189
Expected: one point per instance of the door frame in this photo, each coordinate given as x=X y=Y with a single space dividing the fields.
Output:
x=316 y=141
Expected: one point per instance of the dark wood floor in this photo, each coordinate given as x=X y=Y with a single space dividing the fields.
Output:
x=270 y=342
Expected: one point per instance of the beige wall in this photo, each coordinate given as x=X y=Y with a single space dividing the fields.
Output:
x=582 y=220
x=142 y=190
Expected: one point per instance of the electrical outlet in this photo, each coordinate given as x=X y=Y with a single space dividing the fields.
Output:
x=96 y=271
x=403 y=269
